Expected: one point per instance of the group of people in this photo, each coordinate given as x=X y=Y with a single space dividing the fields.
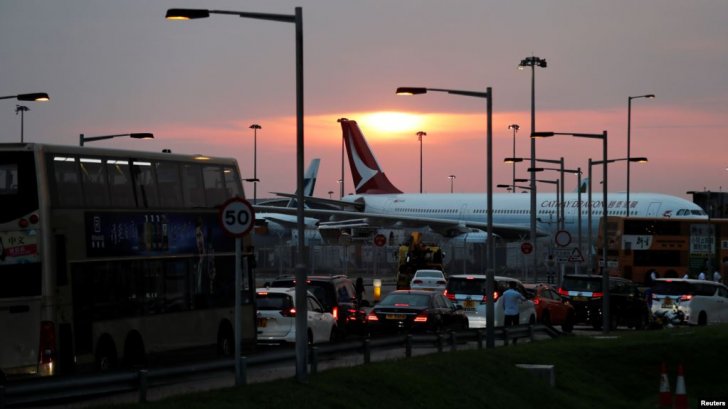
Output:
x=702 y=276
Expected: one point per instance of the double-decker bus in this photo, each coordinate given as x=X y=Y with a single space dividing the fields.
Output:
x=671 y=247
x=110 y=257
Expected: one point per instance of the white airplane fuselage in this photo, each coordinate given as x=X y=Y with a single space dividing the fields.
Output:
x=515 y=208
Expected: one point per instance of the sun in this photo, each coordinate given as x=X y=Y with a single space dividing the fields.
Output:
x=392 y=122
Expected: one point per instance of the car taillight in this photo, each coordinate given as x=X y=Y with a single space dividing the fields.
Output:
x=47 y=347
x=288 y=312
x=441 y=282
x=563 y=292
x=495 y=297
x=597 y=295
x=33 y=218
x=686 y=297
x=536 y=301
x=417 y=282
x=335 y=312
x=421 y=317
x=372 y=317
x=23 y=223
x=450 y=296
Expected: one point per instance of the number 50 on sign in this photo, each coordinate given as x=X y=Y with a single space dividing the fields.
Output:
x=236 y=217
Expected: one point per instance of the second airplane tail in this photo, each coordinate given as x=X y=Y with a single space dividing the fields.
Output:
x=368 y=176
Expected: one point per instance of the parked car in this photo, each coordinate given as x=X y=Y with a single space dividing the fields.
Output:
x=469 y=292
x=415 y=310
x=276 y=317
x=627 y=304
x=337 y=295
x=551 y=308
x=696 y=302
x=433 y=280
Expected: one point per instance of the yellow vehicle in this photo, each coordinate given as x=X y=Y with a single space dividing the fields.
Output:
x=416 y=255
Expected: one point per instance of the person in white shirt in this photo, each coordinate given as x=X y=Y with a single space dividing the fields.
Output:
x=716 y=276
x=701 y=276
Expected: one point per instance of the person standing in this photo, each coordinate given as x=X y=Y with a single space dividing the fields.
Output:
x=512 y=300
x=716 y=276
x=701 y=276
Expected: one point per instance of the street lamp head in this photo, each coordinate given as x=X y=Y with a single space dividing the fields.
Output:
x=522 y=180
x=255 y=126
x=411 y=90
x=542 y=134
x=142 y=135
x=36 y=96
x=186 y=14
x=515 y=127
x=535 y=170
x=512 y=160
x=650 y=96
x=640 y=159
x=532 y=62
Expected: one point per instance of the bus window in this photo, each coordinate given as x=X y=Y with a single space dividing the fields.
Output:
x=68 y=183
x=146 y=187
x=18 y=187
x=95 y=188
x=170 y=188
x=232 y=182
x=192 y=188
x=215 y=193
x=120 y=186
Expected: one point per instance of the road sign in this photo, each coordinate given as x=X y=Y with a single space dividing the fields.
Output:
x=236 y=217
x=576 y=256
x=526 y=247
x=568 y=255
x=380 y=240
x=562 y=238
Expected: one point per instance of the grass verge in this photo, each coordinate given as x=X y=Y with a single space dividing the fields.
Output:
x=622 y=372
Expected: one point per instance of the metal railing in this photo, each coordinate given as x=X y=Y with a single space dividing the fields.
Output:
x=65 y=388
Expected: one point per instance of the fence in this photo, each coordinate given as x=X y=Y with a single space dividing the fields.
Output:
x=49 y=389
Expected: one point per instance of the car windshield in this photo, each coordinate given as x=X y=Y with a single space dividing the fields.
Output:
x=466 y=286
x=590 y=284
x=318 y=289
x=273 y=301
x=405 y=300
x=428 y=274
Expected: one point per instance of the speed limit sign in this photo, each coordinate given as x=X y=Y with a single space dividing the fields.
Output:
x=236 y=216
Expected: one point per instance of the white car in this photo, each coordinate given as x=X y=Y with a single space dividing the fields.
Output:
x=428 y=280
x=696 y=302
x=469 y=292
x=276 y=317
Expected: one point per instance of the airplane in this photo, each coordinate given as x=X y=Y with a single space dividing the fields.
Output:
x=274 y=224
x=377 y=202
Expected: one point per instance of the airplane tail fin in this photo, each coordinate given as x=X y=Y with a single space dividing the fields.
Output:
x=368 y=176
x=309 y=181
x=584 y=187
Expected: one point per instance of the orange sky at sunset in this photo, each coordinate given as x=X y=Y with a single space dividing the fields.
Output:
x=115 y=67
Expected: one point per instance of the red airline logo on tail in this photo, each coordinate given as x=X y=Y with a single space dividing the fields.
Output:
x=368 y=176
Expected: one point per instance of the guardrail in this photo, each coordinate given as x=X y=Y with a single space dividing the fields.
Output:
x=65 y=388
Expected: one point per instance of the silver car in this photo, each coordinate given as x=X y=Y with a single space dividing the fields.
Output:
x=433 y=280
x=469 y=292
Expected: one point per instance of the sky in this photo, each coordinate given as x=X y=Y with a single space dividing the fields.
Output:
x=118 y=67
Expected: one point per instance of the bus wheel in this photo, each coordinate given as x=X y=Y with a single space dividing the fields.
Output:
x=106 y=358
x=134 y=355
x=225 y=340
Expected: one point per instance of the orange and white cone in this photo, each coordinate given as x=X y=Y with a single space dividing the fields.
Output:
x=665 y=395
x=681 y=396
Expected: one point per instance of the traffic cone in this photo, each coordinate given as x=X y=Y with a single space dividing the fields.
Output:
x=665 y=395
x=681 y=396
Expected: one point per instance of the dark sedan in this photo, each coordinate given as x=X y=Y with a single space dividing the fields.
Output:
x=413 y=310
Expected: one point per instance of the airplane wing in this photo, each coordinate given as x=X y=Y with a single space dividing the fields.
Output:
x=329 y=203
x=338 y=219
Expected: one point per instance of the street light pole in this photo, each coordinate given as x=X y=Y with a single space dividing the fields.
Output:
x=452 y=178
x=629 y=132
x=21 y=109
x=300 y=269
x=490 y=271
x=82 y=139
x=255 y=128
x=420 y=134
x=605 y=206
x=341 y=183
x=533 y=62
x=515 y=128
